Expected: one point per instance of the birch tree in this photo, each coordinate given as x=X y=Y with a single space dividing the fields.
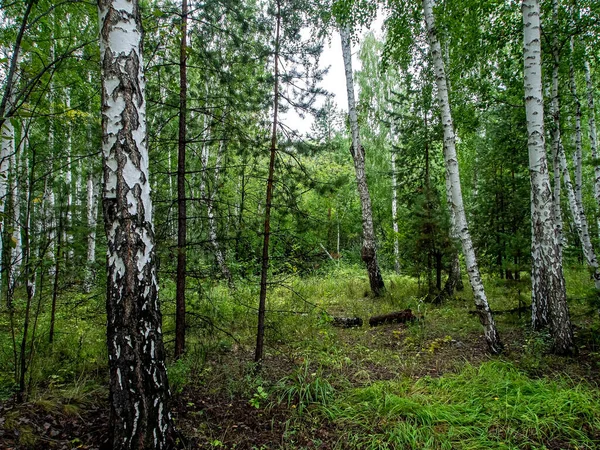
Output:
x=452 y=170
x=7 y=150
x=139 y=391
x=548 y=284
x=593 y=133
x=368 y=252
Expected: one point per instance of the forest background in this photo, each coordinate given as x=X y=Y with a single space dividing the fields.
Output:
x=226 y=279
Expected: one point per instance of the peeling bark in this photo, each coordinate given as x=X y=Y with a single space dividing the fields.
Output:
x=452 y=170
x=368 y=253
x=547 y=274
x=139 y=390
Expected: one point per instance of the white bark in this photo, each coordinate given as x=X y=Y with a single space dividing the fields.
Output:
x=574 y=193
x=395 y=214
x=556 y=145
x=593 y=135
x=139 y=390
x=7 y=150
x=452 y=171
x=69 y=188
x=92 y=214
x=369 y=248
x=547 y=276
x=212 y=224
x=16 y=253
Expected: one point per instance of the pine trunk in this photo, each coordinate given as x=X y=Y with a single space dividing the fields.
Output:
x=139 y=390
x=481 y=303
x=181 y=191
x=547 y=274
x=262 y=301
x=368 y=253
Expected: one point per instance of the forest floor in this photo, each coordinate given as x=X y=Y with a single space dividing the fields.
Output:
x=428 y=384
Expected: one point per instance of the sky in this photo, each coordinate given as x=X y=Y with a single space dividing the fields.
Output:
x=335 y=80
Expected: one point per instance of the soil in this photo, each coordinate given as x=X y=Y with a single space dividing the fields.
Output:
x=208 y=414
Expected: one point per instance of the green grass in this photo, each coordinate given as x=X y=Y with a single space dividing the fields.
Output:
x=425 y=385
x=491 y=406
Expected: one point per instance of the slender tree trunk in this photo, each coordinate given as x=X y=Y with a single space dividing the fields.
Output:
x=260 y=333
x=593 y=135
x=6 y=108
x=68 y=225
x=139 y=389
x=15 y=187
x=92 y=214
x=29 y=287
x=181 y=191
x=395 y=214
x=547 y=274
x=577 y=209
x=481 y=303
x=212 y=223
x=368 y=252
x=540 y=309
x=454 y=281
x=7 y=136
x=59 y=245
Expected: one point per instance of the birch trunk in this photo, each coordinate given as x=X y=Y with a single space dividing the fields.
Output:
x=368 y=253
x=92 y=214
x=395 y=214
x=16 y=253
x=7 y=150
x=579 y=220
x=481 y=303
x=68 y=233
x=576 y=198
x=139 y=389
x=539 y=310
x=212 y=224
x=593 y=135
x=547 y=274
x=454 y=281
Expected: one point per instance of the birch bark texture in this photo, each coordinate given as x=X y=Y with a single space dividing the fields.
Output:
x=368 y=252
x=92 y=214
x=452 y=170
x=7 y=150
x=548 y=284
x=593 y=133
x=139 y=391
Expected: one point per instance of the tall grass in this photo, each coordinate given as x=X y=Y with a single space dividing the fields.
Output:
x=490 y=406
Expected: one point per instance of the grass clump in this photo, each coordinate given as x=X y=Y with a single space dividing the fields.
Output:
x=491 y=406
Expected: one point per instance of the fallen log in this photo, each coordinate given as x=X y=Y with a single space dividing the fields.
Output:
x=395 y=317
x=520 y=309
x=347 y=322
